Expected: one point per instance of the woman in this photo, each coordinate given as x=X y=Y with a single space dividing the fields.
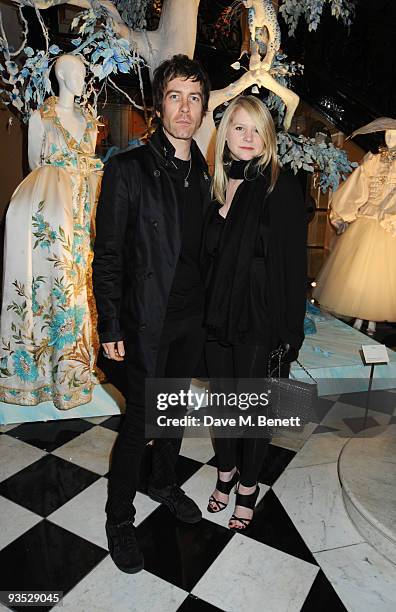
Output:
x=254 y=260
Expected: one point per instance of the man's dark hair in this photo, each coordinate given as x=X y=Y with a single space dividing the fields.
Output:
x=179 y=66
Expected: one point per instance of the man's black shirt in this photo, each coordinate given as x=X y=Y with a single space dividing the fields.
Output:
x=187 y=293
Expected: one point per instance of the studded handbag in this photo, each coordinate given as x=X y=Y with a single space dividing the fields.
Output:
x=291 y=398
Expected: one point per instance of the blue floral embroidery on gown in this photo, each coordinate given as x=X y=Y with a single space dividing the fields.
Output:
x=48 y=342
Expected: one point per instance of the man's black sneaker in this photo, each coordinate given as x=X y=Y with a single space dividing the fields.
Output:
x=123 y=547
x=183 y=507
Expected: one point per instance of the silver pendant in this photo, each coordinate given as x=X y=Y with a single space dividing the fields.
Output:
x=186 y=183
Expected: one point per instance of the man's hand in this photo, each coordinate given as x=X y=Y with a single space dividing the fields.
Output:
x=114 y=350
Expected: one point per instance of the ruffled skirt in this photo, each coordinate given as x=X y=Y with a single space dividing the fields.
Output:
x=358 y=279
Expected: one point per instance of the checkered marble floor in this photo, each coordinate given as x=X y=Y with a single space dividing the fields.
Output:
x=303 y=553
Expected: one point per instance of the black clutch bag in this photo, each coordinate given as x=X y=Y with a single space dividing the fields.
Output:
x=290 y=398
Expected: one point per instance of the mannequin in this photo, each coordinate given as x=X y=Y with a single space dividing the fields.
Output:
x=358 y=278
x=47 y=321
x=70 y=73
x=390 y=141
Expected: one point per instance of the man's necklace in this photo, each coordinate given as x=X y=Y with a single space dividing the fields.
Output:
x=186 y=183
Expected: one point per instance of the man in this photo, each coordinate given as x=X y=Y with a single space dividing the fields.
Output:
x=148 y=287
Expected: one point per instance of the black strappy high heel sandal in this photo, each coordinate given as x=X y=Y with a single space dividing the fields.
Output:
x=223 y=487
x=247 y=501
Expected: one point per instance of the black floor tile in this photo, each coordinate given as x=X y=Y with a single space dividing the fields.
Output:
x=47 y=558
x=194 y=604
x=49 y=436
x=273 y=526
x=322 y=596
x=323 y=406
x=114 y=423
x=324 y=429
x=213 y=461
x=380 y=400
x=47 y=484
x=275 y=462
x=178 y=552
x=185 y=468
x=358 y=424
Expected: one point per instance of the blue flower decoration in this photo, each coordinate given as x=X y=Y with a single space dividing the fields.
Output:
x=60 y=295
x=24 y=366
x=35 y=306
x=65 y=327
x=38 y=220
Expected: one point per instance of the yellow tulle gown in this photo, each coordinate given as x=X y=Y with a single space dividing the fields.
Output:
x=358 y=279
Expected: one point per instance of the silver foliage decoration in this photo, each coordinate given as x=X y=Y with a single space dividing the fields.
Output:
x=302 y=153
x=133 y=12
x=24 y=73
x=311 y=11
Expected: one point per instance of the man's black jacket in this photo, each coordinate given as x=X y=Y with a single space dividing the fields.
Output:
x=137 y=246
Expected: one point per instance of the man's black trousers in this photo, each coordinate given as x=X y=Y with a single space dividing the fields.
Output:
x=179 y=354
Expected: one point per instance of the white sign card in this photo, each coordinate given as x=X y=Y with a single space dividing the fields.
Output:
x=375 y=353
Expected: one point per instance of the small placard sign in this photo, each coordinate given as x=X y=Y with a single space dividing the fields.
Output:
x=375 y=353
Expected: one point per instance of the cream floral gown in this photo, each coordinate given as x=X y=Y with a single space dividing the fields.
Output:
x=47 y=319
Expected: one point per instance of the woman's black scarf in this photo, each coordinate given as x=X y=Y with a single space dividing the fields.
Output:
x=227 y=313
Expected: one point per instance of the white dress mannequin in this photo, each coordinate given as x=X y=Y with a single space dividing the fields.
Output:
x=70 y=73
x=47 y=337
x=390 y=140
x=358 y=278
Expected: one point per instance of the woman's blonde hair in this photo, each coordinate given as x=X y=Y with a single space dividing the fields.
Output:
x=266 y=129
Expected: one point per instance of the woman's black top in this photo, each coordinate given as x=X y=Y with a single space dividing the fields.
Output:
x=254 y=264
x=256 y=298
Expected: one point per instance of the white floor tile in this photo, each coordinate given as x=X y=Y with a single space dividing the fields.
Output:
x=362 y=578
x=293 y=440
x=15 y=520
x=200 y=487
x=106 y=588
x=5 y=428
x=319 y=449
x=85 y=514
x=97 y=420
x=16 y=455
x=90 y=450
x=144 y=506
x=200 y=449
x=312 y=498
x=248 y=575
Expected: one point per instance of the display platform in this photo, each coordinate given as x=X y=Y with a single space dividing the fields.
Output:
x=333 y=358
x=367 y=471
x=106 y=401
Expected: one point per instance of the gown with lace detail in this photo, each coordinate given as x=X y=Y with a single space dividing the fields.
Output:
x=47 y=330
x=358 y=279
